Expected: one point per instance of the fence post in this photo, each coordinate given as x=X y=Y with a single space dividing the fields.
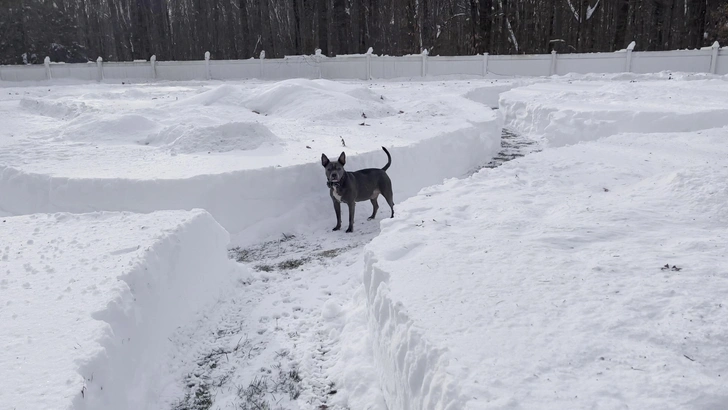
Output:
x=553 y=62
x=424 y=63
x=628 y=64
x=369 y=63
x=317 y=58
x=485 y=64
x=261 y=57
x=47 y=64
x=99 y=69
x=153 y=60
x=714 y=58
x=207 y=65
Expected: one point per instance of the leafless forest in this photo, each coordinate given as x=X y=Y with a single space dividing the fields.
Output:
x=122 y=30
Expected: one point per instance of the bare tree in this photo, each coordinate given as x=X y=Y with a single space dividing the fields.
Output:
x=81 y=30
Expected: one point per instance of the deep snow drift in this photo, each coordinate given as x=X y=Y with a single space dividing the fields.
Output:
x=89 y=301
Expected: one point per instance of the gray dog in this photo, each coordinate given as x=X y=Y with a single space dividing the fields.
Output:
x=357 y=186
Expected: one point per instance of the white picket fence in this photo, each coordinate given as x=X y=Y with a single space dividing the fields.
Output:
x=370 y=66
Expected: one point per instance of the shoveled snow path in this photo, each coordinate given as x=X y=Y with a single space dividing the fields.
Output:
x=291 y=320
x=288 y=316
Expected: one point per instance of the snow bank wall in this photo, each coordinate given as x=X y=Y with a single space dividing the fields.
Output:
x=184 y=270
x=240 y=199
x=89 y=302
x=564 y=114
x=366 y=67
x=412 y=371
x=531 y=286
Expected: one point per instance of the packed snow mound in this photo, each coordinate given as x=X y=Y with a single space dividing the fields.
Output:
x=134 y=93
x=131 y=93
x=313 y=100
x=358 y=91
x=232 y=136
x=55 y=109
x=567 y=113
x=120 y=129
x=226 y=94
x=586 y=276
x=89 y=301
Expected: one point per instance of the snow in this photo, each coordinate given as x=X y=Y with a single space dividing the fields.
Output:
x=562 y=114
x=589 y=10
x=559 y=281
x=225 y=147
x=239 y=151
x=542 y=283
x=88 y=302
x=533 y=281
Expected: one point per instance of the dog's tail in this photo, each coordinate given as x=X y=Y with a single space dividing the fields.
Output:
x=389 y=160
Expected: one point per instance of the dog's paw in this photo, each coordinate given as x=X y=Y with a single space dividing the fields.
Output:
x=336 y=228
x=349 y=230
x=370 y=218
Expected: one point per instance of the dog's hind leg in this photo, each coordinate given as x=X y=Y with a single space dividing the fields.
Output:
x=390 y=200
x=375 y=204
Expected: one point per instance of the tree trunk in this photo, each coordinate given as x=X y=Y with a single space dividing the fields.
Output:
x=323 y=26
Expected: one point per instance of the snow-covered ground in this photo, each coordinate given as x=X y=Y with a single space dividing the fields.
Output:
x=587 y=276
x=534 y=279
x=586 y=109
x=249 y=154
x=89 y=302
x=559 y=296
x=241 y=151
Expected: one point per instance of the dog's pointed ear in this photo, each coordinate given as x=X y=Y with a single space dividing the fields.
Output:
x=324 y=160
x=342 y=159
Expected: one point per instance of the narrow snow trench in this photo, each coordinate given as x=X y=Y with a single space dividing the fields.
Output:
x=513 y=145
x=280 y=342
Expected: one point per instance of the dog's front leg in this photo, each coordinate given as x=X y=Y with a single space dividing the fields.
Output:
x=351 y=204
x=337 y=209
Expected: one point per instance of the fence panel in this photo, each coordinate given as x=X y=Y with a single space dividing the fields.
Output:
x=722 y=67
x=344 y=68
x=535 y=65
x=591 y=63
x=463 y=65
x=181 y=70
x=386 y=67
x=290 y=67
x=235 y=69
x=691 y=61
x=138 y=70
x=23 y=73
x=87 y=72
x=362 y=66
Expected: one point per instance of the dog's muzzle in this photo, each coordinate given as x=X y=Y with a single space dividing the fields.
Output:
x=333 y=182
